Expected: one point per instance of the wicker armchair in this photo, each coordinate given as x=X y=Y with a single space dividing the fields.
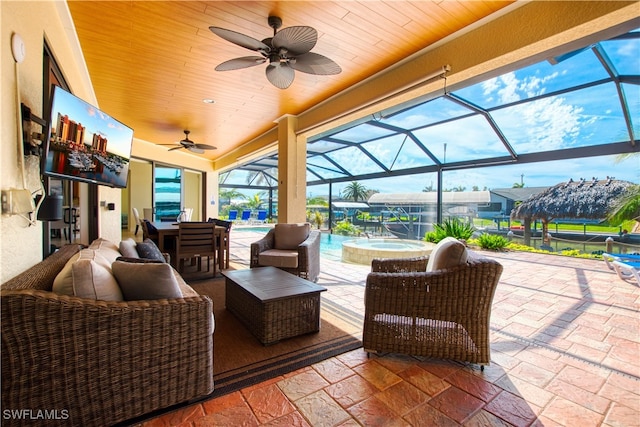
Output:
x=442 y=314
x=266 y=252
x=102 y=362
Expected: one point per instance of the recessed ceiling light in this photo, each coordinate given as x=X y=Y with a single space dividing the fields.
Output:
x=208 y=101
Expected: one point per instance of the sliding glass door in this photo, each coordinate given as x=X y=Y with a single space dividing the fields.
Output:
x=167 y=193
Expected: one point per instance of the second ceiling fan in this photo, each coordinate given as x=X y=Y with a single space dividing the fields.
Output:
x=287 y=51
x=188 y=144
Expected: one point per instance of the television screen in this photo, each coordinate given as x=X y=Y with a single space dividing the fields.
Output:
x=84 y=143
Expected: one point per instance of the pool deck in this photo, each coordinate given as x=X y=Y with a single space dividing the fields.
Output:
x=565 y=345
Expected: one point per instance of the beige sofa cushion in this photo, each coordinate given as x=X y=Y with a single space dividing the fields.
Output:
x=279 y=258
x=449 y=252
x=146 y=281
x=87 y=275
x=106 y=248
x=289 y=236
x=94 y=280
x=128 y=248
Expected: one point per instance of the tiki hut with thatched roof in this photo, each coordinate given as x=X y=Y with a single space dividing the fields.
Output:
x=574 y=199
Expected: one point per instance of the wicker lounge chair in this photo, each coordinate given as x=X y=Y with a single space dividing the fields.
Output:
x=442 y=313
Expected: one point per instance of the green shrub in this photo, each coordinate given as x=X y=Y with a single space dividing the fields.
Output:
x=450 y=228
x=345 y=228
x=492 y=241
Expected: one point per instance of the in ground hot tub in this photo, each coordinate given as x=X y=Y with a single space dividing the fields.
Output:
x=362 y=251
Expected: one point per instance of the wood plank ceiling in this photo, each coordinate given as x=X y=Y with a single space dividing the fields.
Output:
x=152 y=62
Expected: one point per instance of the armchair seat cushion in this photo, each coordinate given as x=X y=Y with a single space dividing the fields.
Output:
x=279 y=258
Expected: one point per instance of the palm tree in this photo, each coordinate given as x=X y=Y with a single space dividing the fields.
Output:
x=355 y=191
x=627 y=206
x=254 y=202
x=230 y=194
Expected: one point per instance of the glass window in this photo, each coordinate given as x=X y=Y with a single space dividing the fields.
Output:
x=624 y=55
x=464 y=139
x=354 y=160
x=581 y=118
x=322 y=168
x=362 y=132
x=537 y=79
x=398 y=152
x=430 y=112
x=168 y=190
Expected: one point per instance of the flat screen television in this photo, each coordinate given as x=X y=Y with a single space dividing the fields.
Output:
x=84 y=143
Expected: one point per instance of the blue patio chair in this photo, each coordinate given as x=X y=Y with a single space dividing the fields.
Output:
x=262 y=217
x=246 y=215
x=609 y=258
x=233 y=215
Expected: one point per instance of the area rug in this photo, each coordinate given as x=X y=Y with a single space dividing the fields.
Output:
x=240 y=360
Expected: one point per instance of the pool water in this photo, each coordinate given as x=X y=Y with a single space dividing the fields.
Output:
x=330 y=244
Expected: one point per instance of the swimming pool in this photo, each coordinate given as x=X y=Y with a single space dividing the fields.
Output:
x=330 y=244
x=362 y=250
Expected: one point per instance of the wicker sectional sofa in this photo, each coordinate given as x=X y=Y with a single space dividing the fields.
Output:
x=90 y=362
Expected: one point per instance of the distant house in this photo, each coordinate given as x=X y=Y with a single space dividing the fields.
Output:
x=503 y=200
x=486 y=204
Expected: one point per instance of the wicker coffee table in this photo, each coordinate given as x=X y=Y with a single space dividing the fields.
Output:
x=272 y=303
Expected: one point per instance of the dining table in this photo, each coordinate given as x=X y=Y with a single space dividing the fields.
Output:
x=172 y=229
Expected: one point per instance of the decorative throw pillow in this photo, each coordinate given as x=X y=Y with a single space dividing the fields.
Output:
x=128 y=248
x=149 y=250
x=449 y=252
x=107 y=249
x=137 y=260
x=146 y=281
x=289 y=236
x=63 y=283
x=94 y=280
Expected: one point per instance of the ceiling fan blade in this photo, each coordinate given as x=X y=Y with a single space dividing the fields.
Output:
x=240 y=39
x=195 y=150
x=314 y=63
x=297 y=40
x=175 y=148
x=205 y=147
x=239 y=63
x=280 y=75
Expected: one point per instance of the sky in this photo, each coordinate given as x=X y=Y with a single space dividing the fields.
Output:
x=119 y=136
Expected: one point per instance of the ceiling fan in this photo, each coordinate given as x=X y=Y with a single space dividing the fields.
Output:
x=286 y=51
x=190 y=145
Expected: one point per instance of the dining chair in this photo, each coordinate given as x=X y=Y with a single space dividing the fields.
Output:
x=136 y=216
x=223 y=242
x=196 y=240
x=147 y=213
x=188 y=212
x=149 y=231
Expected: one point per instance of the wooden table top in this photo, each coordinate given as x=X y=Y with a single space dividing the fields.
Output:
x=270 y=283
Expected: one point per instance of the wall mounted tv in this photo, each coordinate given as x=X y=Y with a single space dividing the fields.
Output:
x=84 y=143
